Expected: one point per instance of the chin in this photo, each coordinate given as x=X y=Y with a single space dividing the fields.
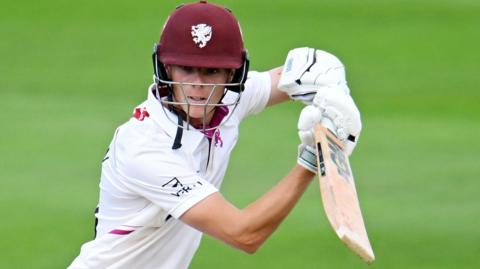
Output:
x=196 y=116
x=197 y=111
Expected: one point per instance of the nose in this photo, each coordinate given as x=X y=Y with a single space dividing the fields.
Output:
x=197 y=78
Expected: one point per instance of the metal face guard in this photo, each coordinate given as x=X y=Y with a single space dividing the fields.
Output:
x=168 y=102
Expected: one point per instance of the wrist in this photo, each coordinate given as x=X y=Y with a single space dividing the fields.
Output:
x=307 y=158
x=304 y=173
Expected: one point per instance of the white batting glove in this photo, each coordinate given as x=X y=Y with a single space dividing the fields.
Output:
x=334 y=107
x=307 y=71
x=307 y=156
x=309 y=116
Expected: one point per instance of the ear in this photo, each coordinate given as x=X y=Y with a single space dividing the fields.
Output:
x=168 y=69
x=231 y=74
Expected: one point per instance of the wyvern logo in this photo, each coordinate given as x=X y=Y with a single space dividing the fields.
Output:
x=201 y=33
x=140 y=113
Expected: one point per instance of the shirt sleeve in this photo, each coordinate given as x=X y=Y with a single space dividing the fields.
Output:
x=174 y=195
x=256 y=94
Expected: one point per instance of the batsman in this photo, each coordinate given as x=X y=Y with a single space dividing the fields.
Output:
x=161 y=176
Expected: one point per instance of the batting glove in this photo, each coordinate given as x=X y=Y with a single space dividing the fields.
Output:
x=340 y=111
x=308 y=71
x=307 y=157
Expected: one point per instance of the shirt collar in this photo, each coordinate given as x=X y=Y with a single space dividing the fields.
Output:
x=165 y=118
x=162 y=116
x=218 y=115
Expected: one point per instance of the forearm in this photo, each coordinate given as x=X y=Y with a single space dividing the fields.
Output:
x=276 y=96
x=262 y=217
x=248 y=228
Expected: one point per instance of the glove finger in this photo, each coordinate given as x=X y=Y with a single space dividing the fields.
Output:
x=341 y=134
x=307 y=137
x=348 y=147
x=308 y=117
x=343 y=112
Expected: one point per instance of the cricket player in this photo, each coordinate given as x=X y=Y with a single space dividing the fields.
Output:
x=160 y=180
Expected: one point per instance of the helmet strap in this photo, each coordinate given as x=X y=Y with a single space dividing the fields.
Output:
x=177 y=143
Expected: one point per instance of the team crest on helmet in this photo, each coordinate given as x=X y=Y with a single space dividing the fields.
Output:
x=201 y=33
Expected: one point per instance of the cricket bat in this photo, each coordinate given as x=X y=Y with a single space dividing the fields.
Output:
x=339 y=195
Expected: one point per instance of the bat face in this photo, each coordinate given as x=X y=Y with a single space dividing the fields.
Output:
x=340 y=159
x=339 y=194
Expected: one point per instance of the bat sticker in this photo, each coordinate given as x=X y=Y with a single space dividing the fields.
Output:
x=338 y=157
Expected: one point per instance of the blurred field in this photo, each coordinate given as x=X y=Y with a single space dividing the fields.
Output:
x=70 y=72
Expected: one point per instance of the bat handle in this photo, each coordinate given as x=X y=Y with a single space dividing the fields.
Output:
x=328 y=123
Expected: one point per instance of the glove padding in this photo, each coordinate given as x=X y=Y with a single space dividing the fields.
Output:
x=340 y=110
x=307 y=157
x=307 y=71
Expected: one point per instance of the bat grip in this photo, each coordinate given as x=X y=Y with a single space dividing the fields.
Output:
x=328 y=123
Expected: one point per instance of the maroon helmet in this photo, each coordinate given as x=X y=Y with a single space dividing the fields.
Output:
x=206 y=36
x=202 y=35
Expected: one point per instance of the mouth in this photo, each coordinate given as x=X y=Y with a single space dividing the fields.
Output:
x=196 y=100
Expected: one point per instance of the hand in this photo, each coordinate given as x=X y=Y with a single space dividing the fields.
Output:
x=307 y=71
x=340 y=110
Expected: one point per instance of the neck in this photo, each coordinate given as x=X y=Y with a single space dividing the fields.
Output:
x=198 y=123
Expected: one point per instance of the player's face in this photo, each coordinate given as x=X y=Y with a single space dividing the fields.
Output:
x=198 y=96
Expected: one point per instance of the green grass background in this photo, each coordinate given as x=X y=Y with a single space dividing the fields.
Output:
x=71 y=71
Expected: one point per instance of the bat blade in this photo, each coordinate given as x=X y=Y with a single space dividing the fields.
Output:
x=339 y=195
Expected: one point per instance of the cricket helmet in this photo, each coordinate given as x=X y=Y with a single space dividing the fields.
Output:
x=202 y=34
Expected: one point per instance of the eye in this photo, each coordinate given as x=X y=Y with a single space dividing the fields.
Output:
x=212 y=71
x=186 y=69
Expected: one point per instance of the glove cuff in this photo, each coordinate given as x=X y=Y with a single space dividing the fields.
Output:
x=307 y=158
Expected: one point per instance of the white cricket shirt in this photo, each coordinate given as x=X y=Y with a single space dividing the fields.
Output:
x=146 y=186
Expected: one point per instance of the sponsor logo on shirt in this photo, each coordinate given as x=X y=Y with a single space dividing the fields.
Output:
x=179 y=189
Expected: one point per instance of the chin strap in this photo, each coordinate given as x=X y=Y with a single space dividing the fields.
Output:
x=177 y=143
